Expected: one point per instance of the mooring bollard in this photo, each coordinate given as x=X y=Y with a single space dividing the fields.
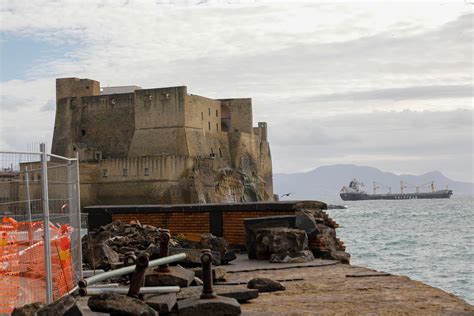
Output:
x=206 y=261
x=138 y=278
x=165 y=237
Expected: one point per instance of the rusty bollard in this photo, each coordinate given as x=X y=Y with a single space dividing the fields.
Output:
x=165 y=237
x=138 y=278
x=206 y=261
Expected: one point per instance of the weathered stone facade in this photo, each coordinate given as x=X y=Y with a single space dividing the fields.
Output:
x=161 y=145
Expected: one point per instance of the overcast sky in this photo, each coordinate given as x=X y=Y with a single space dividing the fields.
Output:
x=384 y=85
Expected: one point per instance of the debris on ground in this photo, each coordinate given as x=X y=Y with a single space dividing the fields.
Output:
x=265 y=285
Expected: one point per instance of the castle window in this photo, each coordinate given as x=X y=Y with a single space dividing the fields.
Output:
x=217 y=126
x=83 y=132
x=87 y=87
x=209 y=124
x=217 y=113
x=202 y=116
x=212 y=153
x=209 y=111
x=146 y=172
x=125 y=172
x=220 y=153
x=105 y=173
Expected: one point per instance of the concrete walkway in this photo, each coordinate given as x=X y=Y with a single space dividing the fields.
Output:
x=339 y=289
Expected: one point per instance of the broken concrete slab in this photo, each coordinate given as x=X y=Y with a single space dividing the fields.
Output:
x=175 y=276
x=117 y=304
x=216 y=306
x=162 y=303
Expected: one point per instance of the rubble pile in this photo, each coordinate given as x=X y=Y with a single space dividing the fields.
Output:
x=108 y=246
x=295 y=238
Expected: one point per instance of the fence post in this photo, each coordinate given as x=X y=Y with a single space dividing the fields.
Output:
x=47 y=237
x=28 y=198
x=79 y=219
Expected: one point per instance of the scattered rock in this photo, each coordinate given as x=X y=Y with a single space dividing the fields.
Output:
x=64 y=306
x=336 y=207
x=265 y=285
x=27 y=310
x=117 y=304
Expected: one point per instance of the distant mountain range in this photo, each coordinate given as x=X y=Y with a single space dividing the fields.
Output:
x=327 y=181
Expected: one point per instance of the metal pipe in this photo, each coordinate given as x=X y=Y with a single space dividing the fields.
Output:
x=115 y=273
x=124 y=290
x=47 y=237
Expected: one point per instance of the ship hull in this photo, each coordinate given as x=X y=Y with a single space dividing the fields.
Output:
x=443 y=194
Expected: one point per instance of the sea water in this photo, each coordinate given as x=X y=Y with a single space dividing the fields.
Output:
x=427 y=240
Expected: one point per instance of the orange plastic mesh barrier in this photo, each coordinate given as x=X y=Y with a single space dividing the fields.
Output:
x=9 y=268
x=22 y=263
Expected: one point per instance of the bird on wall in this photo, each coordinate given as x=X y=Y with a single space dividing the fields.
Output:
x=286 y=194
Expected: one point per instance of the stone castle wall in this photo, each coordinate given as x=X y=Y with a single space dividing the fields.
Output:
x=194 y=149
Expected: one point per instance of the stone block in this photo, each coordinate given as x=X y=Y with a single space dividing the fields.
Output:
x=253 y=224
x=176 y=276
x=215 y=307
x=162 y=303
x=279 y=240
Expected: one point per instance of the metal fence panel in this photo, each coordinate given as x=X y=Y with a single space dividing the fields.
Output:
x=30 y=193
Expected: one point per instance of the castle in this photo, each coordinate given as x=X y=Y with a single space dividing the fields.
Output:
x=161 y=146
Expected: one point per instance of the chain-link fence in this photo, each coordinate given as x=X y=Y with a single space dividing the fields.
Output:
x=40 y=248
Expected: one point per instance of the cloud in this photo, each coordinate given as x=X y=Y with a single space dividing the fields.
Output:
x=49 y=106
x=397 y=94
x=332 y=81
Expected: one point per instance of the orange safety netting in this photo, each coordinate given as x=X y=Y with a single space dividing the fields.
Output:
x=22 y=264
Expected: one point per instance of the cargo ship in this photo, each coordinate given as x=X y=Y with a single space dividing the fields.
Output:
x=355 y=192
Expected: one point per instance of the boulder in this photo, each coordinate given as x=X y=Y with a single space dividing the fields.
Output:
x=252 y=225
x=117 y=304
x=305 y=221
x=279 y=240
x=265 y=285
x=27 y=310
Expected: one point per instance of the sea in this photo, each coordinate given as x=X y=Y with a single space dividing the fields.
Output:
x=427 y=240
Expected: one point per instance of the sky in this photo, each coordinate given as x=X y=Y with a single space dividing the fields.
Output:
x=387 y=85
